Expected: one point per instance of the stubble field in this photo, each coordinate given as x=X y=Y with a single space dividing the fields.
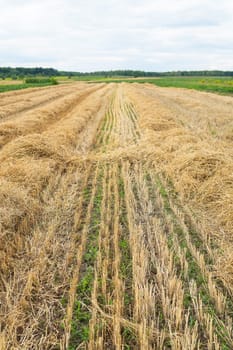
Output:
x=116 y=218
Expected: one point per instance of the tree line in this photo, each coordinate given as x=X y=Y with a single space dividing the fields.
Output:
x=21 y=72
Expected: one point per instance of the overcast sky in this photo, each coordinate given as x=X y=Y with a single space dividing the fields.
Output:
x=89 y=35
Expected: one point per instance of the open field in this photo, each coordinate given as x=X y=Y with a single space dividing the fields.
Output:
x=10 y=82
x=11 y=85
x=211 y=84
x=221 y=85
x=116 y=218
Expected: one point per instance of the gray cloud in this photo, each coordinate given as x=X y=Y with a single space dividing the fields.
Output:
x=109 y=34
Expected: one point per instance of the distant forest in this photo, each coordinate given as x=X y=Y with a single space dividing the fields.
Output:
x=20 y=73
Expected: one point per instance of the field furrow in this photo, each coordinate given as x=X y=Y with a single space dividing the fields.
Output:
x=10 y=109
x=25 y=239
x=111 y=231
x=29 y=96
x=39 y=120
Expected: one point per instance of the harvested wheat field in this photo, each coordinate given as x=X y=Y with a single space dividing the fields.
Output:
x=116 y=218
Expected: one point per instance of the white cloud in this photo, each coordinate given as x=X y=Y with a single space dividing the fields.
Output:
x=90 y=35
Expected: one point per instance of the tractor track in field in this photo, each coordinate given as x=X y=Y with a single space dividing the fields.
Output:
x=113 y=259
